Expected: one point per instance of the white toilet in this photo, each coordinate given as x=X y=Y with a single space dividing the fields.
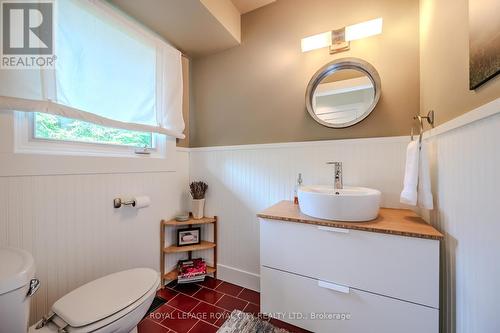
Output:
x=113 y=303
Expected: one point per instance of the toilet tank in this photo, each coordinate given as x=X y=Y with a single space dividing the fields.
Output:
x=17 y=285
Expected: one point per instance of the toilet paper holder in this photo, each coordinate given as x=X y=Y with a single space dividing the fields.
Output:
x=118 y=202
x=136 y=202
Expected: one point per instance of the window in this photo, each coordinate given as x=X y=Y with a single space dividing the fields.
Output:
x=52 y=127
x=46 y=134
x=114 y=87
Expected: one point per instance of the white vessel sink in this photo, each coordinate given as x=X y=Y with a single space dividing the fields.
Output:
x=352 y=204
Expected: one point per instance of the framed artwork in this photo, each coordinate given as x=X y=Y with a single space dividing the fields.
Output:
x=190 y=236
x=484 y=41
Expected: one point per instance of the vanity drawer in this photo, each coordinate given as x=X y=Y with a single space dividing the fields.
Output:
x=406 y=268
x=294 y=298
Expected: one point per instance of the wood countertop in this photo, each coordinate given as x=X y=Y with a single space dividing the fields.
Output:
x=402 y=222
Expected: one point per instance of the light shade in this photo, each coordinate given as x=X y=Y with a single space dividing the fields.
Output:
x=362 y=30
x=318 y=41
x=352 y=32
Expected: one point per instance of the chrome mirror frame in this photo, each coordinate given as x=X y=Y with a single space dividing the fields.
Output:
x=334 y=66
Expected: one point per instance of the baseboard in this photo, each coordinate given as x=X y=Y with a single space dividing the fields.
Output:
x=239 y=277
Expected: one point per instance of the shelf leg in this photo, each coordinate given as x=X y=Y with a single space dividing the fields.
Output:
x=162 y=254
x=215 y=248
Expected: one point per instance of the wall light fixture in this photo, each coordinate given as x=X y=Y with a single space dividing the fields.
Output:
x=339 y=40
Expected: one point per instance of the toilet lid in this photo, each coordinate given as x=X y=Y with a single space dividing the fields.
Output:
x=104 y=297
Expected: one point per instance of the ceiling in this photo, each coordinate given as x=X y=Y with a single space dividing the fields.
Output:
x=188 y=25
x=195 y=27
x=245 y=6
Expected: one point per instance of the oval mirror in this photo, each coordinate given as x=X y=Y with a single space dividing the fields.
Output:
x=343 y=92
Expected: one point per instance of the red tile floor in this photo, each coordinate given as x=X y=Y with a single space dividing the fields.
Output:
x=202 y=308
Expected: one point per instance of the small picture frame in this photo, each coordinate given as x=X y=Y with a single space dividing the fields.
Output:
x=190 y=236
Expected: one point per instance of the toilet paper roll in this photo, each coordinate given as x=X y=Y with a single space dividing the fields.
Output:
x=142 y=201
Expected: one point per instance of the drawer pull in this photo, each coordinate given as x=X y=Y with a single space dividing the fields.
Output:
x=333 y=286
x=339 y=230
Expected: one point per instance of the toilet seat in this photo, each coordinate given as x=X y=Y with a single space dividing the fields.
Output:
x=103 y=301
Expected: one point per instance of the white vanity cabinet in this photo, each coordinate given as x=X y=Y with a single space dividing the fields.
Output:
x=336 y=280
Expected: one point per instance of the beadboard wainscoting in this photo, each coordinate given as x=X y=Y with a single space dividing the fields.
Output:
x=466 y=184
x=244 y=180
x=75 y=235
x=67 y=221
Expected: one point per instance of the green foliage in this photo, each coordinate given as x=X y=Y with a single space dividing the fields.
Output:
x=53 y=127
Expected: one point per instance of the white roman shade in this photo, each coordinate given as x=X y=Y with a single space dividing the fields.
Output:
x=110 y=71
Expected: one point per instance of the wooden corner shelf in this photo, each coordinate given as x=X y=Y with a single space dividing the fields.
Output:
x=204 y=245
x=204 y=220
x=172 y=249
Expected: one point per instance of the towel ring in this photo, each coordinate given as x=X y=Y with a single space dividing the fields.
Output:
x=430 y=119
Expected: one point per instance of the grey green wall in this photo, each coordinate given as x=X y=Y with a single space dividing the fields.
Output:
x=254 y=93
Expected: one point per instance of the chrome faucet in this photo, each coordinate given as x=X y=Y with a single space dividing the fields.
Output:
x=338 y=183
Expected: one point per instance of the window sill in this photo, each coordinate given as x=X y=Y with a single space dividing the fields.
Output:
x=16 y=164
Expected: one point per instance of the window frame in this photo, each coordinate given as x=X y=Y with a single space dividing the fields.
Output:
x=26 y=142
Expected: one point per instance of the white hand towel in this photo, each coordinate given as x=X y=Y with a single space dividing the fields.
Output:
x=409 y=193
x=425 y=199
